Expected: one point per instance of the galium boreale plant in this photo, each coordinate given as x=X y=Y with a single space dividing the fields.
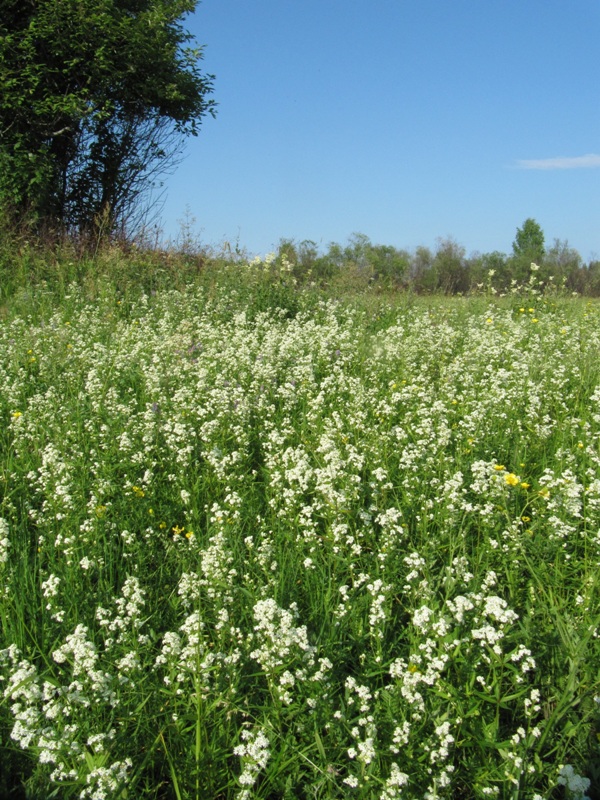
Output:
x=252 y=551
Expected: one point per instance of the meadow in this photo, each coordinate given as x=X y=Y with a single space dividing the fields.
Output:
x=265 y=542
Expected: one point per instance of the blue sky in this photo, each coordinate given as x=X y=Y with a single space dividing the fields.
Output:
x=405 y=121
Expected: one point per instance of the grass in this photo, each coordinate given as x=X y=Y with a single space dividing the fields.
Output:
x=259 y=542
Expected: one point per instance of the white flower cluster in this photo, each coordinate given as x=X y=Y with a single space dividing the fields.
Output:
x=393 y=785
x=46 y=716
x=104 y=782
x=280 y=644
x=188 y=662
x=329 y=524
x=4 y=541
x=574 y=783
x=82 y=655
x=254 y=753
x=126 y=621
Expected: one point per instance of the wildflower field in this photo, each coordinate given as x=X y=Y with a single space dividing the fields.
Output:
x=319 y=549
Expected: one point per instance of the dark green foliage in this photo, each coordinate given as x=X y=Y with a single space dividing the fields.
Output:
x=450 y=265
x=484 y=268
x=93 y=97
x=528 y=247
x=561 y=260
x=529 y=241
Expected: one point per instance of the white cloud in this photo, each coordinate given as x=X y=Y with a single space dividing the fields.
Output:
x=577 y=162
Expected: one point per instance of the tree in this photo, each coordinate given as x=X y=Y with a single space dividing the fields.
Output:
x=422 y=274
x=95 y=99
x=382 y=262
x=357 y=251
x=487 y=269
x=449 y=266
x=562 y=259
x=529 y=242
x=390 y=264
x=528 y=247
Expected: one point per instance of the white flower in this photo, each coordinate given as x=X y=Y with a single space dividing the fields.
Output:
x=254 y=752
x=421 y=618
x=575 y=783
x=4 y=541
x=50 y=586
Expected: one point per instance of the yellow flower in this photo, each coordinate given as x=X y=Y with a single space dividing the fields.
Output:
x=16 y=414
x=177 y=529
x=137 y=491
x=525 y=485
x=511 y=479
x=499 y=467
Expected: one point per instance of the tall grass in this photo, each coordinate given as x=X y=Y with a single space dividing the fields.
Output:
x=260 y=543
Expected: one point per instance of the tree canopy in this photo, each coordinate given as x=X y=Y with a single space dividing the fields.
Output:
x=95 y=96
x=529 y=241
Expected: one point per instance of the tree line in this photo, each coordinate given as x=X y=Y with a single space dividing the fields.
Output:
x=96 y=99
x=447 y=268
